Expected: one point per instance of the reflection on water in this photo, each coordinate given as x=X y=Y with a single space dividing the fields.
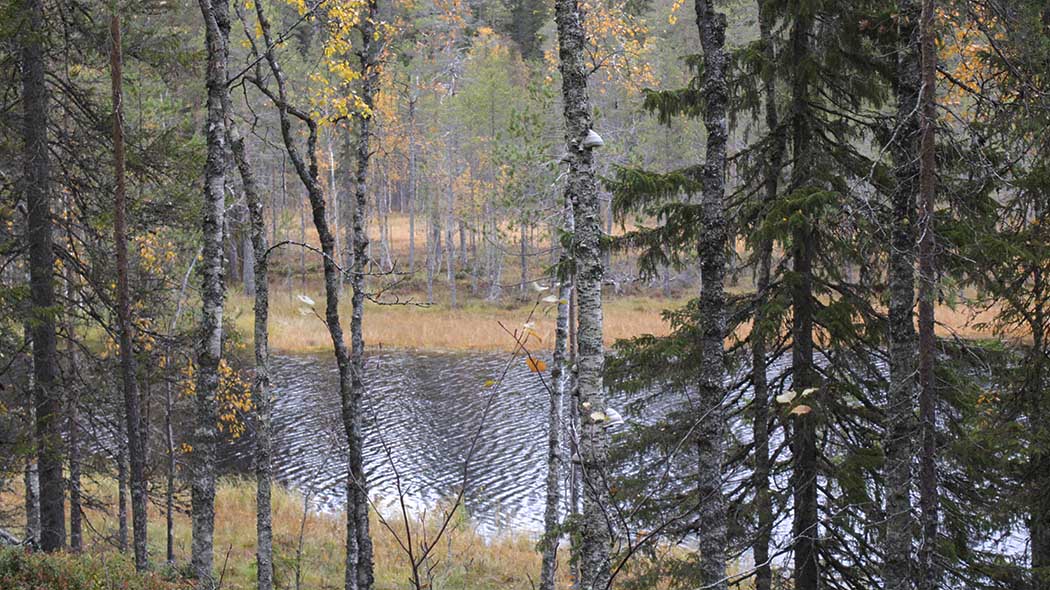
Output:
x=426 y=407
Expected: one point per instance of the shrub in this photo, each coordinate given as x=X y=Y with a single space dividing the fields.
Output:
x=23 y=570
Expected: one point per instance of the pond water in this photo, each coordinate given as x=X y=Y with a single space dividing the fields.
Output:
x=421 y=411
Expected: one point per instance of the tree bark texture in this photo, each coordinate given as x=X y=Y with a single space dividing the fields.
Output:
x=555 y=426
x=900 y=400
x=205 y=435
x=47 y=397
x=712 y=254
x=359 y=567
x=582 y=191
x=261 y=381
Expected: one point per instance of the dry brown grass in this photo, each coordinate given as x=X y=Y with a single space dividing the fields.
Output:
x=473 y=326
x=477 y=324
x=463 y=560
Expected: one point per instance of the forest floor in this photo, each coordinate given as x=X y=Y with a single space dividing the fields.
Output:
x=462 y=560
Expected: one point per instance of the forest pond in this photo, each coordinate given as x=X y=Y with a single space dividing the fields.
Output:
x=422 y=411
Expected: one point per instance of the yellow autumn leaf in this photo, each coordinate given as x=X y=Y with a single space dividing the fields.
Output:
x=536 y=365
x=801 y=410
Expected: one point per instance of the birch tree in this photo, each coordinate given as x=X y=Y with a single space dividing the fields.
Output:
x=209 y=351
x=582 y=192
x=261 y=402
x=712 y=253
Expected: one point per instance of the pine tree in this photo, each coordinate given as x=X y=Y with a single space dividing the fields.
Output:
x=47 y=395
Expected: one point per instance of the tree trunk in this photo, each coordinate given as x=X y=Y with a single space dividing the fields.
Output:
x=450 y=228
x=433 y=251
x=1039 y=459
x=359 y=567
x=248 y=266
x=559 y=377
x=76 y=527
x=333 y=195
x=122 y=491
x=205 y=434
x=575 y=474
x=523 y=247
x=261 y=381
x=712 y=247
x=412 y=184
x=31 y=477
x=46 y=394
x=384 y=219
x=805 y=530
x=900 y=403
x=582 y=192
x=31 y=481
x=760 y=332
x=359 y=564
x=929 y=575
x=132 y=409
x=302 y=240
x=169 y=489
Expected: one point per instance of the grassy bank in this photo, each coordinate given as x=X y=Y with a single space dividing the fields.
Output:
x=474 y=325
x=462 y=561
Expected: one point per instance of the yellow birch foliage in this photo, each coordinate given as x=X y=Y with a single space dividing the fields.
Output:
x=234 y=397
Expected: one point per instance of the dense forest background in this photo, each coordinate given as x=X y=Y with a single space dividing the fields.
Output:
x=775 y=267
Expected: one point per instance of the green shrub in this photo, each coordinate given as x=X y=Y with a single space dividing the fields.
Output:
x=22 y=570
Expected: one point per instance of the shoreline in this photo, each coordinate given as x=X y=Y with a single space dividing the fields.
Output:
x=479 y=325
x=474 y=326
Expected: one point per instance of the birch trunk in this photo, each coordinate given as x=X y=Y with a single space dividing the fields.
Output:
x=523 y=265
x=350 y=362
x=559 y=377
x=359 y=567
x=261 y=380
x=450 y=228
x=76 y=526
x=47 y=396
x=209 y=353
x=169 y=488
x=582 y=192
x=712 y=248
